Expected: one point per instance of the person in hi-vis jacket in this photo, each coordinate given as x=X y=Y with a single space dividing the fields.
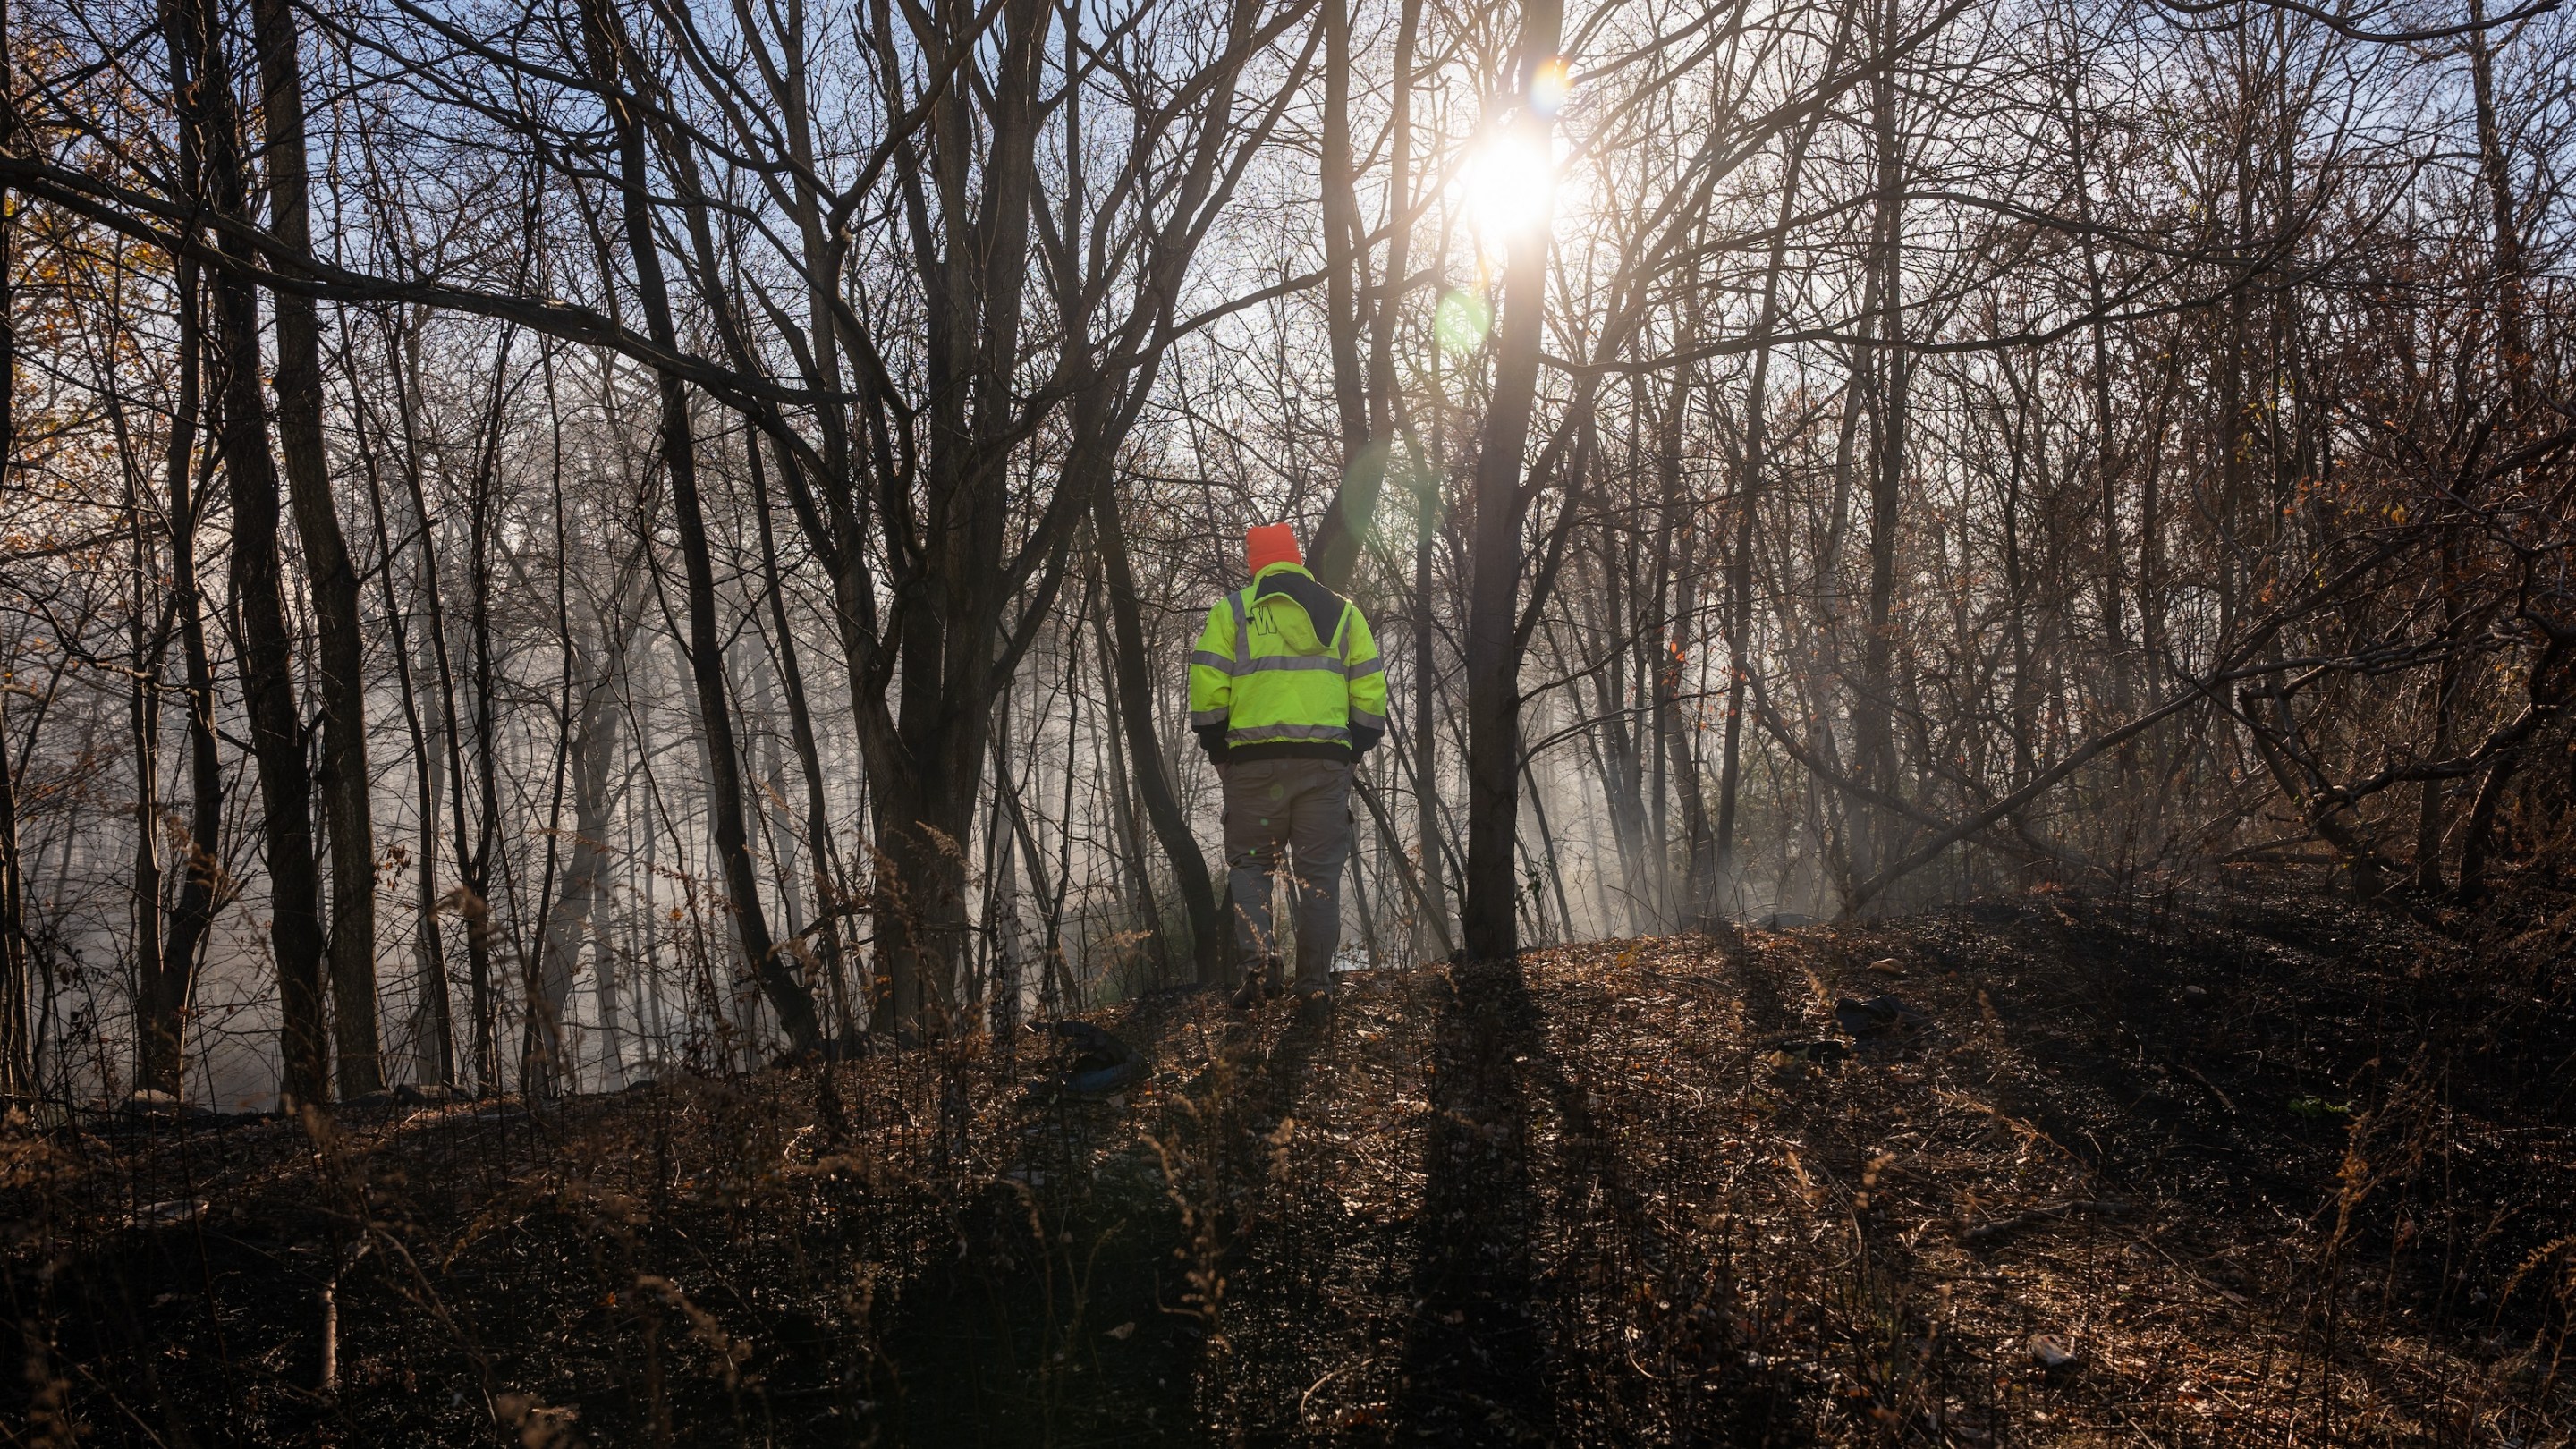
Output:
x=1286 y=692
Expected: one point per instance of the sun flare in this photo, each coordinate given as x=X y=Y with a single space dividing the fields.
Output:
x=1508 y=184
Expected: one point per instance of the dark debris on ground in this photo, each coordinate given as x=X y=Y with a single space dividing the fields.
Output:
x=2226 y=1170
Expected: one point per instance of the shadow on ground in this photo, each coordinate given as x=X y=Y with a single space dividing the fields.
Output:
x=2250 y=1169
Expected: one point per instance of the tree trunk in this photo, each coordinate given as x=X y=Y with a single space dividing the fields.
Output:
x=1209 y=940
x=17 y=1057
x=444 y=747
x=169 y=983
x=612 y=1017
x=267 y=650
x=1336 y=545
x=1874 y=738
x=1363 y=402
x=2430 y=824
x=1426 y=718
x=340 y=650
x=474 y=863
x=1748 y=499
x=1430 y=893
x=1493 y=648
x=926 y=770
x=143 y=711
x=1101 y=415
x=2106 y=473
x=585 y=882
x=824 y=862
x=2513 y=338
x=787 y=996
x=1705 y=852
x=432 y=1025
x=2547 y=700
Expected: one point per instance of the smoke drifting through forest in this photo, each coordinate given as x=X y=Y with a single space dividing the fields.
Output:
x=750 y=477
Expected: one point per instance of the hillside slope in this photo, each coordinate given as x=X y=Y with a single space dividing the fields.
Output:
x=2098 y=1173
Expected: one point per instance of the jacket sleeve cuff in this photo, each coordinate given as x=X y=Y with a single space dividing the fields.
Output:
x=1212 y=740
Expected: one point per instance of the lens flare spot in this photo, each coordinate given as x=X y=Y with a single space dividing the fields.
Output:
x=1460 y=322
x=1550 y=84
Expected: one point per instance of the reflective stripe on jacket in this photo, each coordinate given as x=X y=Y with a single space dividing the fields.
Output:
x=1271 y=680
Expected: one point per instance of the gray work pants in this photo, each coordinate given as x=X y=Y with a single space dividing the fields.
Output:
x=1299 y=812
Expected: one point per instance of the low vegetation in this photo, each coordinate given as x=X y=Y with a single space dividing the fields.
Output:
x=2232 y=1168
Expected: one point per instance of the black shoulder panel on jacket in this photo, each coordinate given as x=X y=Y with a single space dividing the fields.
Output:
x=1323 y=607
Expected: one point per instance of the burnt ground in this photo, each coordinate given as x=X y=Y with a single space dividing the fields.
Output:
x=2243 y=1168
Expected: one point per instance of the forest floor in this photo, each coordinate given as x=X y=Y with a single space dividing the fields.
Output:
x=2237 y=1168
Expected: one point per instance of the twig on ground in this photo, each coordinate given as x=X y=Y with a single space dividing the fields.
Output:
x=2188 y=1070
x=1307 y=1397
x=1986 y=1232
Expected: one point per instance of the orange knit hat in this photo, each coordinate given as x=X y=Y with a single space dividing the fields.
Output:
x=1271 y=543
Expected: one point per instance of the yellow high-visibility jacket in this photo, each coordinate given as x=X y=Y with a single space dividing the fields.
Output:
x=1287 y=669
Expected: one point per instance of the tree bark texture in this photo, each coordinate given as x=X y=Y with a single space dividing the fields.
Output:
x=1491 y=925
x=340 y=646
x=267 y=646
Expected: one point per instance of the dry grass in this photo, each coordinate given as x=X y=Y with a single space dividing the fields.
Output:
x=2268 y=1171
